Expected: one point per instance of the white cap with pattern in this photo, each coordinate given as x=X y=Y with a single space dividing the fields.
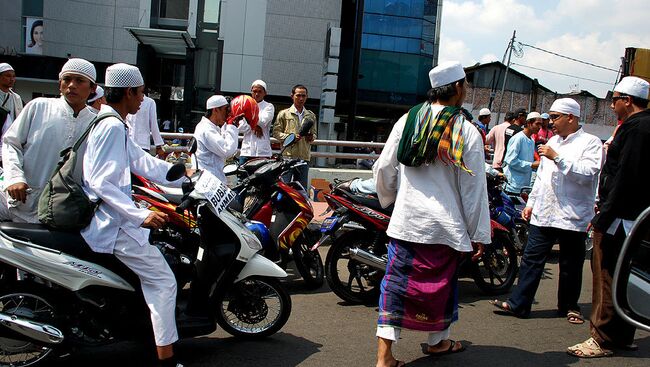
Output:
x=566 y=106
x=123 y=76
x=484 y=112
x=215 y=102
x=80 y=67
x=5 y=67
x=633 y=86
x=260 y=83
x=446 y=73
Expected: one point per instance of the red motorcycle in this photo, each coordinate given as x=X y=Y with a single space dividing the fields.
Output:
x=356 y=260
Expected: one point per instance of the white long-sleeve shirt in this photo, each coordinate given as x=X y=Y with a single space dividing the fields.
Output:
x=214 y=145
x=144 y=125
x=252 y=145
x=32 y=145
x=110 y=158
x=436 y=203
x=564 y=193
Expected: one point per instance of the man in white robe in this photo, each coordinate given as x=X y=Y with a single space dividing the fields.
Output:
x=257 y=141
x=216 y=140
x=9 y=100
x=119 y=226
x=143 y=125
x=45 y=127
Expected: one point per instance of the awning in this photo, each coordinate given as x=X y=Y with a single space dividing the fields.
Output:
x=163 y=41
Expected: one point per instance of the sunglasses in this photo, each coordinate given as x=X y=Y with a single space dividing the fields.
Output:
x=555 y=116
x=615 y=98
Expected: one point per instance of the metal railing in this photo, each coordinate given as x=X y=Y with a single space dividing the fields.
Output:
x=317 y=142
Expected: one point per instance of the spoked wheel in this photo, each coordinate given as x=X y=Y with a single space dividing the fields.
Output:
x=255 y=307
x=496 y=270
x=308 y=263
x=16 y=352
x=349 y=279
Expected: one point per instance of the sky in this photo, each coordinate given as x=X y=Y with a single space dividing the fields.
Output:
x=595 y=31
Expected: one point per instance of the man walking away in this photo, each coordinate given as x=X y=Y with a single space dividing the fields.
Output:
x=441 y=211
x=623 y=194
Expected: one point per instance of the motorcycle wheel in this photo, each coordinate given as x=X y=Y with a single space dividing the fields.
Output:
x=253 y=308
x=309 y=264
x=351 y=280
x=496 y=271
x=28 y=304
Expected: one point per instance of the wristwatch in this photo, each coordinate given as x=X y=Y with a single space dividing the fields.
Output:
x=556 y=159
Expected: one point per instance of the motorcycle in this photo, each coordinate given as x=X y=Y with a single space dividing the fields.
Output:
x=357 y=258
x=285 y=209
x=57 y=295
x=505 y=210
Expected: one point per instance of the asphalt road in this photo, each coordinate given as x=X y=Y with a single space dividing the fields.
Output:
x=323 y=331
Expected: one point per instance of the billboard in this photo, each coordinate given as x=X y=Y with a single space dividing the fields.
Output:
x=34 y=36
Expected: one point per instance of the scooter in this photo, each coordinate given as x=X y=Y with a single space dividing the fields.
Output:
x=357 y=258
x=56 y=295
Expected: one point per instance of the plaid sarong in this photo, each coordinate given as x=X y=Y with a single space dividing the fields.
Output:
x=420 y=288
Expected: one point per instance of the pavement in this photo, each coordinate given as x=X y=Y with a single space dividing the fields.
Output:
x=325 y=331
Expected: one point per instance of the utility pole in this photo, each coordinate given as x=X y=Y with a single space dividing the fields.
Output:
x=505 y=76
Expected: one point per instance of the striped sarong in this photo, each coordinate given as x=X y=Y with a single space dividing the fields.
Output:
x=420 y=288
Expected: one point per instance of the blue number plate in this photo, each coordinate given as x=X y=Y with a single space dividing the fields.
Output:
x=328 y=224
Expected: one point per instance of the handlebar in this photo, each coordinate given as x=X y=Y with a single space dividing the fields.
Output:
x=185 y=204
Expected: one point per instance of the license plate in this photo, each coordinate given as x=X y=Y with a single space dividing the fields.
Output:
x=215 y=191
x=328 y=224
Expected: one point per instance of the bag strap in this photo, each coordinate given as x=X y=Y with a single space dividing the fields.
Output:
x=6 y=98
x=84 y=136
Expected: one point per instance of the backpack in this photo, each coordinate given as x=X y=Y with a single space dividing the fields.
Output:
x=63 y=205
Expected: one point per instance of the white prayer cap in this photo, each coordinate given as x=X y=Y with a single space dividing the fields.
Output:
x=80 y=67
x=215 y=102
x=123 y=76
x=566 y=106
x=533 y=115
x=5 y=67
x=484 y=112
x=99 y=93
x=545 y=116
x=633 y=86
x=446 y=73
x=260 y=83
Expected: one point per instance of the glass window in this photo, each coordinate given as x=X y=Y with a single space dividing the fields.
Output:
x=211 y=11
x=33 y=8
x=174 y=9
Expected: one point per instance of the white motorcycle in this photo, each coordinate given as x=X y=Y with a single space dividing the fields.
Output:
x=56 y=295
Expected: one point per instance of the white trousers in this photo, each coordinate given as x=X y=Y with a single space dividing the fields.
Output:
x=157 y=281
x=393 y=333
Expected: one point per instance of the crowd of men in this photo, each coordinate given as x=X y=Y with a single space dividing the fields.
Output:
x=432 y=224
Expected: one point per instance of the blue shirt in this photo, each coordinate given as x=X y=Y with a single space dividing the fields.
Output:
x=518 y=162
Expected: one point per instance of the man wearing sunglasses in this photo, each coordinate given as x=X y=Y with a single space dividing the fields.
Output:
x=623 y=194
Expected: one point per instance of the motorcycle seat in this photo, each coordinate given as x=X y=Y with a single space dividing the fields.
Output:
x=254 y=164
x=371 y=201
x=70 y=243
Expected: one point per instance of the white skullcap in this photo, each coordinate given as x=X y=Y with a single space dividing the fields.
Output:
x=633 y=86
x=484 y=112
x=446 y=73
x=5 y=67
x=566 y=106
x=123 y=76
x=533 y=115
x=215 y=102
x=80 y=67
x=99 y=93
x=545 y=116
x=260 y=83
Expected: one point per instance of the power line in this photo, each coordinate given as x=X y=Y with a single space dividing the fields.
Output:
x=567 y=57
x=569 y=75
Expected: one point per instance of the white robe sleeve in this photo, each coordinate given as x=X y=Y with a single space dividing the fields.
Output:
x=266 y=116
x=473 y=188
x=153 y=125
x=223 y=144
x=386 y=168
x=145 y=165
x=582 y=170
x=102 y=171
x=12 y=146
x=244 y=127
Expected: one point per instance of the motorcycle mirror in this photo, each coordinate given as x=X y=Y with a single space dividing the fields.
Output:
x=289 y=140
x=176 y=172
x=230 y=169
x=192 y=146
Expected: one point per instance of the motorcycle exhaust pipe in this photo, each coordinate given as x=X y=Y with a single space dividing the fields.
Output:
x=36 y=331
x=369 y=259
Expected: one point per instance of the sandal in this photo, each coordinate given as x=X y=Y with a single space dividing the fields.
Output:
x=575 y=317
x=450 y=350
x=589 y=349
x=504 y=309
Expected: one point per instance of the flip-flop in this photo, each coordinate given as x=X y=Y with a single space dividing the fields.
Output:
x=575 y=317
x=503 y=310
x=450 y=350
x=399 y=363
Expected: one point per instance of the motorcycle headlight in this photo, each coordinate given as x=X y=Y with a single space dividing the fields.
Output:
x=252 y=241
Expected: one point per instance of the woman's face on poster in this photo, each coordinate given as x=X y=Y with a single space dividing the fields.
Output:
x=37 y=35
